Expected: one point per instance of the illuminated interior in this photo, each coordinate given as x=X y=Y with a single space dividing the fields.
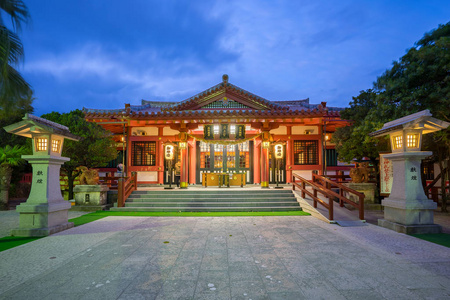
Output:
x=398 y=142
x=41 y=144
x=56 y=146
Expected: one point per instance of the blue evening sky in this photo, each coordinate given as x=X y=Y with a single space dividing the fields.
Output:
x=104 y=53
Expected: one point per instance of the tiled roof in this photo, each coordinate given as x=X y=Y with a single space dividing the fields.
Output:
x=191 y=107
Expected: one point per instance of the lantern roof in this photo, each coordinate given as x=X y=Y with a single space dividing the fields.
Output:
x=422 y=120
x=31 y=124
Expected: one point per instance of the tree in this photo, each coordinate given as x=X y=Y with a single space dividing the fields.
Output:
x=353 y=142
x=418 y=80
x=95 y=149
x=12 y=84
x=9 y=158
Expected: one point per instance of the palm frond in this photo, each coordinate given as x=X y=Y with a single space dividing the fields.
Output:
x=17 y=10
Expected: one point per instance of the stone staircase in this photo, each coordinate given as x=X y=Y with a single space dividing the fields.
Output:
x=211 y=200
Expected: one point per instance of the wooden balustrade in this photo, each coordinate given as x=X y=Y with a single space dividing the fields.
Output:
x=324 y=186
x=125 y=187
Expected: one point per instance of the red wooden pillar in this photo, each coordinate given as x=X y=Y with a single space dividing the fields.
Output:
x=160 y=157
x=184 y=167
x=192 y=154
x=128 y=149
x=257 y=161
x=265 y=160
x=288 y=156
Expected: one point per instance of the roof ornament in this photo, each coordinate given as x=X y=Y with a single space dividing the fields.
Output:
x=225 y=78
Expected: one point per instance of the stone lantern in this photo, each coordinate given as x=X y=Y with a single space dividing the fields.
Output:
x=407 y=209
x=45 y=211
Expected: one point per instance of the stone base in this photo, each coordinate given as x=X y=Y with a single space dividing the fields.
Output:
x=417 y=212
x=42 y=219
x=368 y=189
x=90 y=207
x=91 y=195
x=38 y=232
x=410 y=229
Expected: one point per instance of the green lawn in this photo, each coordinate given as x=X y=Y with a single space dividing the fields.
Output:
x=9 y=242
x=437 y=238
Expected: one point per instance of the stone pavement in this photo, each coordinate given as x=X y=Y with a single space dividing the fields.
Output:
x=9 y=219
x=296 y=257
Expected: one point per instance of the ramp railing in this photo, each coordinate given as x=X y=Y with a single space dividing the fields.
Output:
x=330 y=190
x=125 y=187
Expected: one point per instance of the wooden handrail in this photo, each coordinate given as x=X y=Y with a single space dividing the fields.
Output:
x=434 y=181
x=329 y=184
x=124 y=189
x=316 y=188
x=110 y=181
x=324 y=186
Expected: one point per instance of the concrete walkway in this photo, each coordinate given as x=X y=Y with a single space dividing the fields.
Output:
x=225 y=258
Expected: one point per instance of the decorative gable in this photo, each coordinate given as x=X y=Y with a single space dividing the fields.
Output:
x=226 y=103
x=225 y=95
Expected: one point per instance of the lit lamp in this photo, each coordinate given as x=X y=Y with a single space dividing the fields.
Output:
x=169 y=155
x=45 y=211
x=182 y=145
x=278 y=149
x=266 y=144
x=407 y=209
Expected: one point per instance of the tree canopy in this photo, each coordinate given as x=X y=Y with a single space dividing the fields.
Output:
x=418 y=80
x=95 y=149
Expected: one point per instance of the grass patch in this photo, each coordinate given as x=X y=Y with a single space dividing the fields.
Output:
x=9 y=242
x=102 y=214
x=442 y=239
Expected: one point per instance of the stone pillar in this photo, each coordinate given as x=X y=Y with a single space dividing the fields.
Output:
x=45 y=212
x=408 y=210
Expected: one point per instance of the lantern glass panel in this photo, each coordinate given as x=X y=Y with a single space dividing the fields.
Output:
x=56 y=146
x=412 y=140
x=398 y=142
x=41 y=144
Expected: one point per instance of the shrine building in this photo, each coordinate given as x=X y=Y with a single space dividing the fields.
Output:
x=223 y=131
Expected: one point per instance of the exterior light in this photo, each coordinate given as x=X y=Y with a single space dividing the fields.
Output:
x=41 y=144
x=266 y=144
x=278 y=149
x=397 y=142
x=182 y=145
x=56 y=146
x=327 y=137
x=169 y=152
x=412 y=140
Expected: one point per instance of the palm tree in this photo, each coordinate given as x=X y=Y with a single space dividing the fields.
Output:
x=9 y=158
x=12 y=84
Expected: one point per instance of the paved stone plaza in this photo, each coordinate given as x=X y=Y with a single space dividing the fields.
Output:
x=296 y=257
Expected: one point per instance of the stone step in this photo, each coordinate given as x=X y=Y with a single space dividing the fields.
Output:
x=207 y=209
x=216 y=192
x=211 y=199
x=207 y=204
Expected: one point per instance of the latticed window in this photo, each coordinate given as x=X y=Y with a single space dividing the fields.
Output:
x=225 y=104
x=306 y=152
x=144 y=153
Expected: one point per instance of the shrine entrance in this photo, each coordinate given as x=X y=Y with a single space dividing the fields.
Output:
x=220 y=158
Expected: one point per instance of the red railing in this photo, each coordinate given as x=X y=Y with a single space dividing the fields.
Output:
x=125 y=187
x=109 y=180
x=435 y=192
x=324 y=186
